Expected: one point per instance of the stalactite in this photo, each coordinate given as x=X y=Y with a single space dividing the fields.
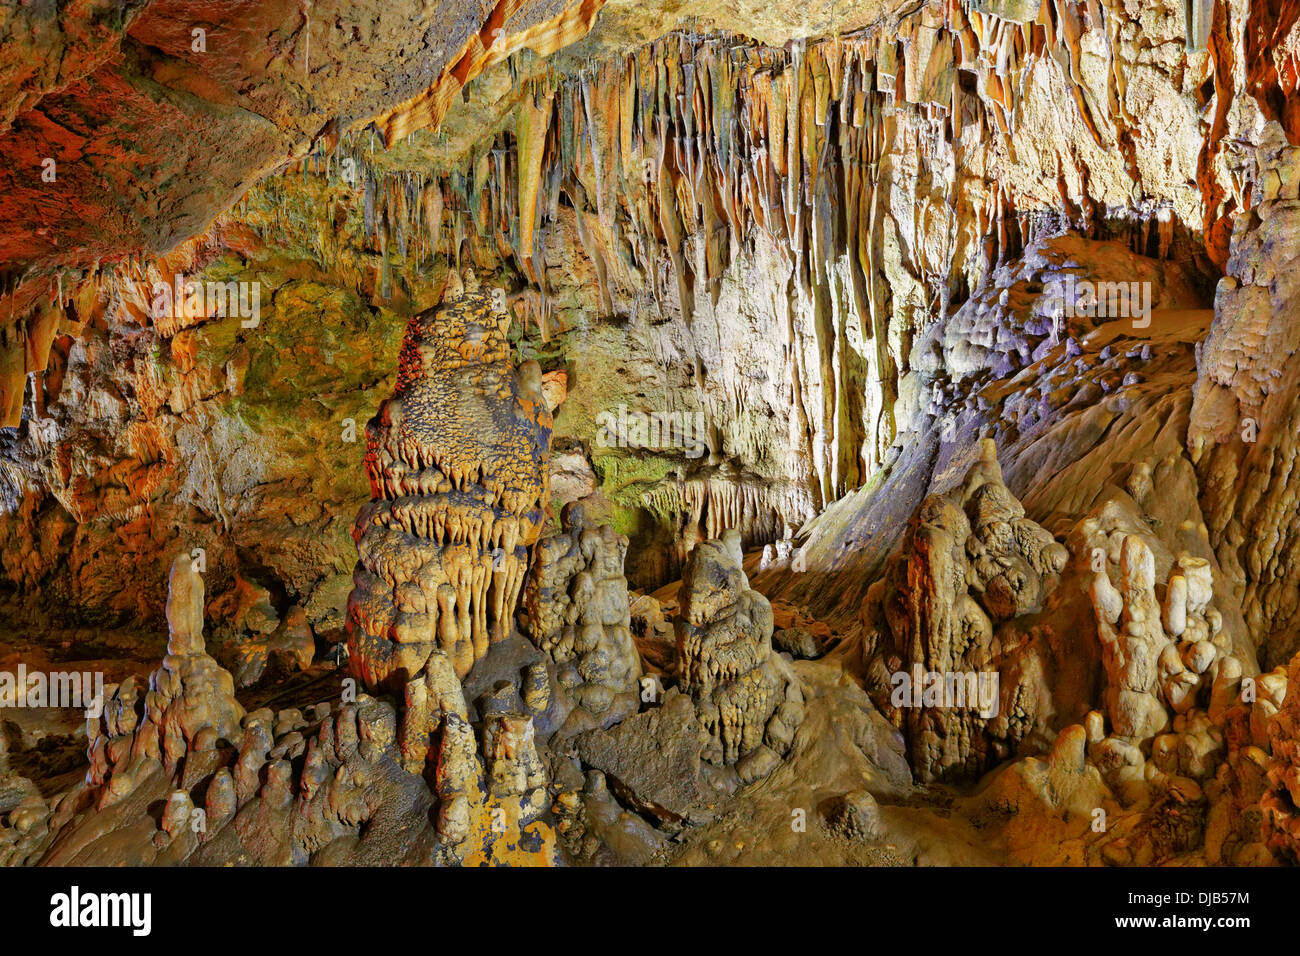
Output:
x=675 y=157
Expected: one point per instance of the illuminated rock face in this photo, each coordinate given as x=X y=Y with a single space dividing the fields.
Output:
x=457 y=461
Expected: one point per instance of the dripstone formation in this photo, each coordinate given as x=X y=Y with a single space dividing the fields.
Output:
x=457 y=467
x=350 y=781
x=941 y=662
x=972 y=323
x=577 y=610
x=1164 y=661
x=190 y=703
x=748 y=699
x=445 y=773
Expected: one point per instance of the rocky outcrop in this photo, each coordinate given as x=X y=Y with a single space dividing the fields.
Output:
x=105 y=89
x=457 y=461
x=654 y=762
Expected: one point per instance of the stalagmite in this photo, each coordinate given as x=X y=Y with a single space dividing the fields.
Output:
x=747 y=698
x=944 y=659
x=577 y=612
x=457 y=461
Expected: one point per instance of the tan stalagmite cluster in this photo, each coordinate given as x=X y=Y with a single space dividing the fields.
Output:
x=1164 y=661
x=457 y=467
x=190 y=704
x=436 y=739
x=513 y=767
x=1175 y=667
x=748 y=700
x=354 y=782
x=578 y=613
x=227 y=776
x=971 y=564
x=1193 y=739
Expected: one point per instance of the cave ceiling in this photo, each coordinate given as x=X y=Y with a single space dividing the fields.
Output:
x=155 y=128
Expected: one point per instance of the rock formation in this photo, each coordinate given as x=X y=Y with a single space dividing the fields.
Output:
x=949 y=651
x=946 y=106
x=1244 y=422
x=747 y=698
x=23 y=811
x=1162 y=661
x=351 y=781
x=457 y=461
x=578 y=612
x=190 y=704
x=930 y=366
